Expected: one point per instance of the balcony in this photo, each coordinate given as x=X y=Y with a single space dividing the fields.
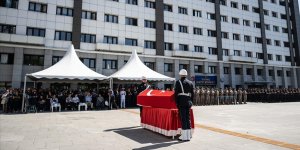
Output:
x=15 y=38
x=190 y=54
x=243 y=59
x=118 y=48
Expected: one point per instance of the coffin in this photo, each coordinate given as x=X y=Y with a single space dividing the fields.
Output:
x=157 y=99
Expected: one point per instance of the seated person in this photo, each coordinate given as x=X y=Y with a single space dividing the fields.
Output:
x=100 y=102
x=68 y=102
x=41 y=104
x=75 y=101
x=88 y=100
x=54 y=102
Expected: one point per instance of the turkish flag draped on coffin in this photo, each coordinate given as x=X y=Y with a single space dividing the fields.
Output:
x=157 y=99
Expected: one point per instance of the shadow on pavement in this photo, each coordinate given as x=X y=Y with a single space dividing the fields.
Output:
x=143 y=136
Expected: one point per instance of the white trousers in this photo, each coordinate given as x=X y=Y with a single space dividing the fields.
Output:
x=122 y=102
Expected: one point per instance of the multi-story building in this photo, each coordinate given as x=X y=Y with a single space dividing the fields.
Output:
x=237 y=43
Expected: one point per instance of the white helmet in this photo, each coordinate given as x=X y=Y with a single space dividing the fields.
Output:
x=183 y=72
x=144 y=78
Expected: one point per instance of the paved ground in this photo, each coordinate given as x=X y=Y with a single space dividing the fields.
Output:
x=277 y=124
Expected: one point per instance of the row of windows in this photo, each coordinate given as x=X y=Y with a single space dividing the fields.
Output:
x=38 y=60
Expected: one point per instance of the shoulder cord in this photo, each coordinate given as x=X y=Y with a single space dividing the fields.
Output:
x=181 y=86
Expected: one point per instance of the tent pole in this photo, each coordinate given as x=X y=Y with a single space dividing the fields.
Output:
x=23 y=100
x=34 y=84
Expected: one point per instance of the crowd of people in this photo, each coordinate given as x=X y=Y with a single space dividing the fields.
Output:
x=43 y=99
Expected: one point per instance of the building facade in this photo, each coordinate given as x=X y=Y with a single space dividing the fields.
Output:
x=222 y=43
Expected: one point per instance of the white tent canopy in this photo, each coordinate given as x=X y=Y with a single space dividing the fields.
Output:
x=69 y=67
x=134 y=69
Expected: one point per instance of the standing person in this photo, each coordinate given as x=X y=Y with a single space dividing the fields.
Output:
x=143 y=86
x=122 y=96
x=184 y=94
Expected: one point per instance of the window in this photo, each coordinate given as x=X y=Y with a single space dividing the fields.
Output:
x=149 y=24
x=256 y=10
x=212 y=69
x=236 y=36
x=38 y=7
x=283 y=16
x=212 y=51
x=258 y=40
x=110 y=64
x=267 y=26
x=5 y=28
x=235 y=20
x=198 y=48
x=198 y=31
x=225 y=52
x=183 y=66
x=149 y=4
x=288 y=73
x=6 y=58
x=259 y=72
x=266 y=12
x=277 y=43
x=273 y=1
x=64 y=11
x=211 y=16
x=274 y=14
x=224 y=35
x=246 y=23
x=234 y=5
x=284 y=30
x=182 y=10
x=150 y=44
x=150 y=65
x=131 y=42
x=271 y=72
x=269 y=42
x=237 y=71
x=89 y=15
x=131 y=21
x=88 y=38
x=257 y=25
x=288 y=58
x=9 y=3
x=33 y=60
x=278 y=58
x=245 y=7
x=270 y=57
x=168 y=46
x=247 y=38
x=259 y=55
x=237 y=53
x=248 y=54
x=197 y=13
x=56 y=59
x=223 y=2
x=275 y=28
x=89 y=62
x=198 y=69
x=168 y=26
x=132 y=2
x=211 y=1
x=226 y=70
x=211 y=33
x=224 y=18
x=279 y=73
x=35 y=32
x=111 y=18
x=183 y=29
x=168 y=67
x=110 y=40
x=168 y=8
x=249 y=71
x=183 y=47
x=63 y=35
